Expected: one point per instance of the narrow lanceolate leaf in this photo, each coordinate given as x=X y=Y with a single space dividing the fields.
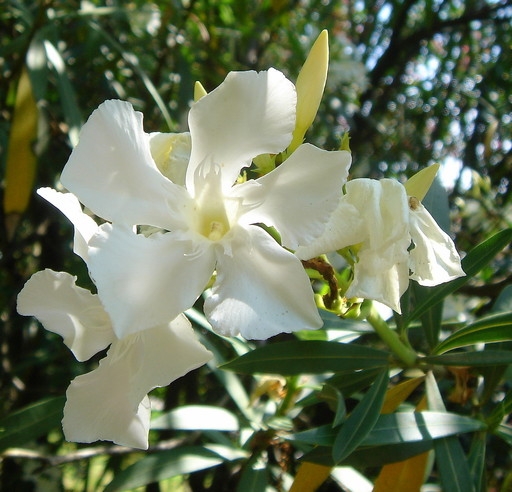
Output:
x=67 y=94
x=399 y=428
x=253 y=479
x=361 y=421
x=503 y=408
x=167 y=464
x=452 y=465
x=197 y=417
x=31 y=422
x=473 y=359
x=494 y=328
x=474 y=261
x=476 y=460
x=308 y=357
x=21 y=160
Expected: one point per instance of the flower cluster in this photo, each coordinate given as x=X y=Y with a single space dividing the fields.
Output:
x=174 y=211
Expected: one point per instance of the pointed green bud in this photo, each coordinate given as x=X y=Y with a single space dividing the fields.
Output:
x=345 y=142
x=419 y=184
x=199 y=91
x=310 y=87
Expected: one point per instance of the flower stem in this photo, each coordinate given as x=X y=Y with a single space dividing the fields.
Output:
x=392 y=340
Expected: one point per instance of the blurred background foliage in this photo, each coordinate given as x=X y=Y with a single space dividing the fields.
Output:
x=414 y=82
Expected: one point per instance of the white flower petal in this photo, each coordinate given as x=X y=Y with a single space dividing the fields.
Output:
x=381 y=279
x=68 y=204
x=249 y=114
x=112 y=172
x=345 y=227
x=434 y=259
x=261 y=289
x=298 y=197
x=145 y=281
x=110 y=403
x=70 y=311
x=372 y=215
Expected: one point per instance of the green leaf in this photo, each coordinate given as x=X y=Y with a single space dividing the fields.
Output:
x=362 y=419
x=197 y=417
x=505 y=432
x=31 y=422
x=432 y=318
x=474 y=261
x=452 y=465
x=253 y=479
x=370 y=456
x=483 y=358
x=493 y=328
x=67 y=94
x=476 y=460
x=308 y=357
x=396 y=428
x=167 y=464
x=503 y=408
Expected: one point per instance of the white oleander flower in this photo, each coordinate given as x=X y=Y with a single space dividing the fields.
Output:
x=395 y=238
x=147 y=275
x=109 y=403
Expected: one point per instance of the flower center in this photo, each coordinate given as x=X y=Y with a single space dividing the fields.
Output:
x=212 y=219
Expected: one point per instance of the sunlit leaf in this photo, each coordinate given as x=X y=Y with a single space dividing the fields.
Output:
x=493 y=328
x=308 y=357
x=396 y=428
x=197 y=417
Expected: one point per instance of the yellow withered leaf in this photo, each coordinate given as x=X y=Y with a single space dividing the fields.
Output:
x=21 y=160
x=407 y=475
x=309 y=477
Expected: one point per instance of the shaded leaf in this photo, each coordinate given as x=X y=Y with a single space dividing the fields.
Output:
x=483 y=358
x=472 y=263
x=307 y=357
x=253 y=479
x=167 y=464
x=370 y=456
x=452 y=465
x=362 y=419
x=31 y=422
